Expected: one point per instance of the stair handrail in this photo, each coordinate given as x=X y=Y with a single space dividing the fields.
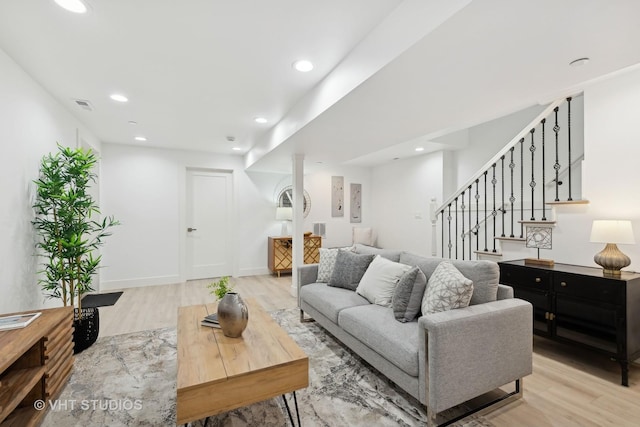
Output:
x=543 y=115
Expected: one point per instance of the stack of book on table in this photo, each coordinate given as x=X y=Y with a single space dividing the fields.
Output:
x=211 y=321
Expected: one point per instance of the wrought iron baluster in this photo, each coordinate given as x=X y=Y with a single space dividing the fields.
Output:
x=449 y=222
x=556 y=165
x=485 y=212
x=462 y=236
x=455 y=236
x=544 y=206
x=504 y=211
x=442 y=233
x=569 y=143
x=512 y=199
x=477 y=228
x=470 y=222
x=532 y=184
x=494 y=212
x=521 y=187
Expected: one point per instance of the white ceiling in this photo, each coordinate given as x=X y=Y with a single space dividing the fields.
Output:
x=389 y=74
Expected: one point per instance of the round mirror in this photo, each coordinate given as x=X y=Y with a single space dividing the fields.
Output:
x=285 y=199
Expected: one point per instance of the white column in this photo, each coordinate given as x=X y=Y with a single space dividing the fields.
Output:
x=298 y=218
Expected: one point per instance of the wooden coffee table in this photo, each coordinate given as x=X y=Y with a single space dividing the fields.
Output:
x=217 y=373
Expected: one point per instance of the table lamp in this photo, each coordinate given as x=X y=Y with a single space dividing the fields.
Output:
x=611 y=232
x=284 y=214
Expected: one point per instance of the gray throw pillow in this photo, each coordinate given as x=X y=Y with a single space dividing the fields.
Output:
x=407 y=297
x=349 y=269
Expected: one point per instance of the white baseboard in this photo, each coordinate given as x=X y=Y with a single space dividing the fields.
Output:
x=253 y=272
x=109 y=285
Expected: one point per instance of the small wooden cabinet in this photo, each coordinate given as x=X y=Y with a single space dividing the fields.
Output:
x=35 y=364
x=579 y=305
x=280 y=258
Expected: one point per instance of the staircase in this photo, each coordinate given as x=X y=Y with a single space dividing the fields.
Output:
x=511 y=200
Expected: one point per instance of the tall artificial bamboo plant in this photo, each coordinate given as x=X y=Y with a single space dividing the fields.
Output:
x=68 y=224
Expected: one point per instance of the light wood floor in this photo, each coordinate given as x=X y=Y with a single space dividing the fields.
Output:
x=569 y=386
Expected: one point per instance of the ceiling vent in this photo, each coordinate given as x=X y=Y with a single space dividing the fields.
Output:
x=84 y=104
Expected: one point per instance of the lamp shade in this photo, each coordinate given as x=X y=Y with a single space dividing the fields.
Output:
x=612 y=231
x=284 y=213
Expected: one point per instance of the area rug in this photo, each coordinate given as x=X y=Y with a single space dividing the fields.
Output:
x=130 y=380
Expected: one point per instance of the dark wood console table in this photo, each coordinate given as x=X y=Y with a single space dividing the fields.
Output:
x=579 y=305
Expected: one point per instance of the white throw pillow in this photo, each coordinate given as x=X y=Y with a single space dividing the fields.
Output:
x=380 y=280
x=363 y=235
x=447 y=289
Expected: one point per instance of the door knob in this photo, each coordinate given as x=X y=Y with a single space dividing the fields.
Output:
x=191 y=229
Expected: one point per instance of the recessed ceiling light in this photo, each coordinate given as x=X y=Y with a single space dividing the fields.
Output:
x=237 y=149
x=140 y=138
x=133 y=122
x=260 y=120
x=303 y=65
x=419 y=149
x=75 y=6
x=119 y=97
x=579 y=62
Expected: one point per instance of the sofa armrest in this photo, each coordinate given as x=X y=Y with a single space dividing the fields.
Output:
x=504 y=292
x=307 y=274
x=470 y=351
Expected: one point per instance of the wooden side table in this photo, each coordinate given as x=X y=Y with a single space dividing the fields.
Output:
x=280 y=259
x=35 y=363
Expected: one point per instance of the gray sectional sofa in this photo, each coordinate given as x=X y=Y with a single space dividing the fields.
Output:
x=442 y=359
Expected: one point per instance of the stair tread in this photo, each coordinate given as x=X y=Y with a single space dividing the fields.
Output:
x=488 y=253
x=537 y=222
x=512 y=239
x=569 y=202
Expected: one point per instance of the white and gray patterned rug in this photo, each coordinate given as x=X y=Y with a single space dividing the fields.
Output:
x=130 y=380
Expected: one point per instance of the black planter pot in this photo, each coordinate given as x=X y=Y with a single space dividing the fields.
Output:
x=86 y=327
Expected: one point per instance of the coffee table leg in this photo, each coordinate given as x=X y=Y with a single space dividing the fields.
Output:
x=295 y=400
x=286 y=404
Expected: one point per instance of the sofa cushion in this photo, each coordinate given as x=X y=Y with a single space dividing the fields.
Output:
x=380 y=280
x=330 y=301
x=484 y=274
x=349 y=269
x=390 y=254
x=376 y=327
x=447 y=289
x=407 y=296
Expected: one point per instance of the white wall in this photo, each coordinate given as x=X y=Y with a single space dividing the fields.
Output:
x=611 y=173
x=339 y=229
x=402 y=191
x=144 y=188
x=31 y=122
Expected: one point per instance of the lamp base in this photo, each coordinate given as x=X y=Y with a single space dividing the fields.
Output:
x=612 y=260
x=284 y=231
x=538 y=261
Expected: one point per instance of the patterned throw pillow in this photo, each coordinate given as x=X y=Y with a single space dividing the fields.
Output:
x=349 y=269
x=447 y=289
x=407 y=297
x=327 y=262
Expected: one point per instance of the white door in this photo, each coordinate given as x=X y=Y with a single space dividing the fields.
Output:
x=209 y=243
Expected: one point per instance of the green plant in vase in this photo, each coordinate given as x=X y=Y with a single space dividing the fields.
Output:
x=220 y=287
x=67 y=222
